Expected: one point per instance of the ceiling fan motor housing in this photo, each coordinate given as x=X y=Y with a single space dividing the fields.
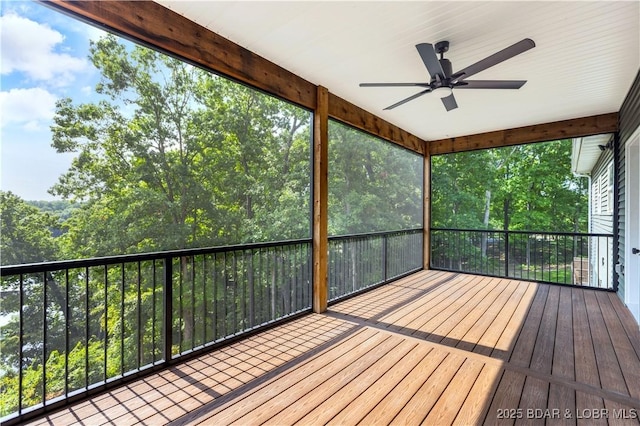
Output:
x=441 y=47
x=446 y=67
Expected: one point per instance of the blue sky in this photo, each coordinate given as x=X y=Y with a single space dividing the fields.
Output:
x=44 y=58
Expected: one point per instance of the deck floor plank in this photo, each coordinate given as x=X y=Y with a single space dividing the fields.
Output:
x=418 y=407
x=406 y=316
x=354 y=409
x=474 y=408
x=562 y=399
x=611 y=377
x=431 y=348
x=506 y=329
x=588 y=403
x=448 y=406
x=506 y=399
x=358 y=346
x=626 y=354
x=452 y=331
x=586 y=368
x=445 y=318
x=563 y=363
x=486 y=317
x=543 y=349
x=628 y=321
x=384 y=412
x=534 y=397
x=377 y=379
x=525 y=344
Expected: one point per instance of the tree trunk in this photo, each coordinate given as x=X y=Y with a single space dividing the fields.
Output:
x=487 y=205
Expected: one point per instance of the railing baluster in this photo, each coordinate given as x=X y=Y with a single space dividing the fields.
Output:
x=67 y=331
x=384 y=257
x=106 y=323
x=20 y=340
x=235 y=292
x=44 y=336
x=139 y=316
x=204 y=299
x=193 y=301
x=122 y=279
x=167 y=295
x=506 y=253
x=153 y=309
x=86 y=326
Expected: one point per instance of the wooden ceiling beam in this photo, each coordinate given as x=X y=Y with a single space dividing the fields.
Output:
x=578 y=127
x=359 y=118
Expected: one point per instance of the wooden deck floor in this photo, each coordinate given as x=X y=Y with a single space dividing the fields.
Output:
x=433 y=348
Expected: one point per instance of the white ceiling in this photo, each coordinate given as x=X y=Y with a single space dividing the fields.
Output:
x=585 y=59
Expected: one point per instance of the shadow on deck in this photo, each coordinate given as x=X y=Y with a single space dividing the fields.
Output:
x=434 y=348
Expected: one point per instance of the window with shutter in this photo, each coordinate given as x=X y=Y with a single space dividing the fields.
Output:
x=595 y=201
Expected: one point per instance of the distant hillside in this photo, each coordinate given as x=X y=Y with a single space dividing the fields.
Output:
x=60 y=208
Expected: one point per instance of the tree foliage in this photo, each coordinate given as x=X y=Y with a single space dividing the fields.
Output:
x=373 y=186
x=530 y=187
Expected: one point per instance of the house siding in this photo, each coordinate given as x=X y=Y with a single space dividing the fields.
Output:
x=629 y=121
x=602 y=252
x=601 y=223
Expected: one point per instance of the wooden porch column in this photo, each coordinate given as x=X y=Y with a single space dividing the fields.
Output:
x=426 y=210
x=320 y=200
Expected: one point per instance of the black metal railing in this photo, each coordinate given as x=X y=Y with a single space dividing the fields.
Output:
x=554 y=257
x=86 y=324
x=358 y=262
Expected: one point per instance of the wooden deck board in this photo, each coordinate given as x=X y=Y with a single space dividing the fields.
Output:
x=499 y=342
x=625 y=353
x=431 y=348
x=384 y=412
x=484 y=317
x=611 y=377
x=354 y=409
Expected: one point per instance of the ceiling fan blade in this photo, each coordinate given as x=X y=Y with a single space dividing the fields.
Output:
x=410 y=98
x=496 y=58
x=450 y=102
x=491 y=84
x=430 y=59
x=394 y=84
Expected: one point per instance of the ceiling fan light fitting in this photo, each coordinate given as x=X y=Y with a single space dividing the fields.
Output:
x=442 y=91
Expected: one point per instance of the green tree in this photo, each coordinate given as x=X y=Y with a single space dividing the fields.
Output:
x=373 y=185
x=459 y=189
x=26 y=235
x=178 y=158
x=533 y=184
x=541 y=192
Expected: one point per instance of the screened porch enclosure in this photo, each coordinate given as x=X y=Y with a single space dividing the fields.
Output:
x=306 y=282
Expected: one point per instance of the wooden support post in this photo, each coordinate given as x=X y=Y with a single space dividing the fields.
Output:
x=320 y=201
x=426 y=209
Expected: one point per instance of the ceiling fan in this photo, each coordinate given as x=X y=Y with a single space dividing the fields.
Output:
x=443 y=80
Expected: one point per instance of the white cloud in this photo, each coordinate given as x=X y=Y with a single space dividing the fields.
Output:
x=30 y=108
x=28 y=47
